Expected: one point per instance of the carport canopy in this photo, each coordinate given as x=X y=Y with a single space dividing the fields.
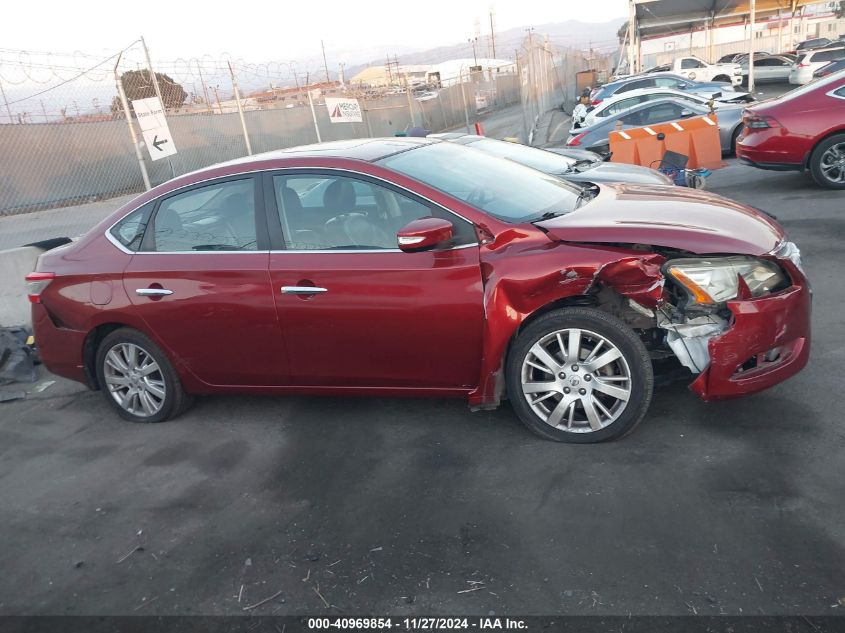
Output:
x=664 y=17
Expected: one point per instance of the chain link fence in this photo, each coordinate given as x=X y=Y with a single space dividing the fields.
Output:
x=67 y=140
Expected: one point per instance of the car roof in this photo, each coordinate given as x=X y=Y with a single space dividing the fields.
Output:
x=366 y=149
x=611 y=119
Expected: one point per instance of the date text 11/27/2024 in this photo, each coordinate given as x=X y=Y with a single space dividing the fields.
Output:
x=417 y=624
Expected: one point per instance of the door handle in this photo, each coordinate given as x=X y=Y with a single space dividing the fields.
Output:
x=302 y=290
x=153 y=292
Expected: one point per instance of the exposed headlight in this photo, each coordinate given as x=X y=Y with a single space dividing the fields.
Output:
x=713 y=281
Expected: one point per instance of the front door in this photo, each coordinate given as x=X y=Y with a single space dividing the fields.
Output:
x=200 y=282
x=355 y=310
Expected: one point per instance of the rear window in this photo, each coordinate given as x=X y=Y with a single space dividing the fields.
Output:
x=828 y=56
x=130 y=230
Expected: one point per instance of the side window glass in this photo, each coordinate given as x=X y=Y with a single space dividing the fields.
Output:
x=130 y=230
x=217 y=217
x=344 y=213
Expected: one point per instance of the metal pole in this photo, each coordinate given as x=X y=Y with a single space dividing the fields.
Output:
x=204 y=88
x=240 y=109
x=158 y=94
x=325 y=63
x=464 y=95
x=753 y=9
x=314 y=117
x=492 y=34
x=410 y=101
x=366 y=114
x=632 y=29
x=128 y=116
x=6 y=101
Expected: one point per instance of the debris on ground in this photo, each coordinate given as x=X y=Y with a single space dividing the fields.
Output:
x=17 y=358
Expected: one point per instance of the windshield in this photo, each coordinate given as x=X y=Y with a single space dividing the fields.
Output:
x=506 y=190
x=529 y=156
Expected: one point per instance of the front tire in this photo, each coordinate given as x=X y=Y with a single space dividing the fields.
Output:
x=137 y=379
x=827 y=162
x=579 y=375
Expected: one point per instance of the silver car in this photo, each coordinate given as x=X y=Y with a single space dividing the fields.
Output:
x=771 y=68
x=595 y=137
x=589 y=169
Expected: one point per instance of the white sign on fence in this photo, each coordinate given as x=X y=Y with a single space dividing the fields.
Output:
x=344 y=110
x=153 y=124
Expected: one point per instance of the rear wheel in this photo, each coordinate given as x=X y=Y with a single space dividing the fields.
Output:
x=722 y=78
x=579 y=375
x=137 y=379
x=827 y=162
x=735 y=136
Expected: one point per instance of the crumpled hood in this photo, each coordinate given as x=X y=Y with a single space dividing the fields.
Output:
x=673 y=217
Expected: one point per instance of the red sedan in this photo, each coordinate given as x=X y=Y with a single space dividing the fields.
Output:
x=803 y=129
x=415 y=267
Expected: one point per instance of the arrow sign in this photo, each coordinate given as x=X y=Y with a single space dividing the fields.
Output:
x=153 y=124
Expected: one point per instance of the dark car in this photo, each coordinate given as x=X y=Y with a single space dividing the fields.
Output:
x=589 y=170
x=819 y=42
x=595 y=137
x=660 y=80
x=801 y=130
x=424 y=268
x=830 y=68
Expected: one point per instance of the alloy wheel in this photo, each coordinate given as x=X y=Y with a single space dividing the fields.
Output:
x=576 y=380
x=833 y=163
x=134 y=379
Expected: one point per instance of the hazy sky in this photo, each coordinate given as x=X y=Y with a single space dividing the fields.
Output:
x=262 y=31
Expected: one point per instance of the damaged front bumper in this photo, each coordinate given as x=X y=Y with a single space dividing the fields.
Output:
x=767 y=341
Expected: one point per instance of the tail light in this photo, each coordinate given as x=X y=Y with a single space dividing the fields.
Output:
x=575 y=140
x=35 y=285
x=595 y=102
x=804 y=65
x=756 y=121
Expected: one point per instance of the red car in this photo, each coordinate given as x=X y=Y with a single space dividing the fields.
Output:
x=803 y=129
x=416 y=267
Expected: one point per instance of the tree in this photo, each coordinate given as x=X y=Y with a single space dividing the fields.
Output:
x=138 y=84
x=622 y=33
x=840 y=9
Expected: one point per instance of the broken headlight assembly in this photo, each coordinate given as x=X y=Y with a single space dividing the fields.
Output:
x=710 y=282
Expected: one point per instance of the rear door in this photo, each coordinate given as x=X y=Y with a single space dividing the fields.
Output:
x=201 y=284
x=355 y=311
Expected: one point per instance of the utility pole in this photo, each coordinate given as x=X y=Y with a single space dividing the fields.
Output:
x=6 y=102
x=472 y=41
x=240 y=109
x=410 y=101
x=492 y=34
x=204 y=88
x=325 y=63
x=632 y=33
x=342 y=77
x=128 y=115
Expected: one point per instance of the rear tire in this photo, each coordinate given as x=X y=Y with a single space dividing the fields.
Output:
x=137 y=379
x=735 y=136
x=573 y=396
x=724 y=78
x=827 y=162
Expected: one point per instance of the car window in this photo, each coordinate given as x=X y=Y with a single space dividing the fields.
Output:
x=668 y=82
x=501 y=188
x=840 y=92
x=547 y=162
x=340 y=212
x=216 y=217
x=634 y=85
x=828 y=56
x=130 y=230
x=622 y=105
x=660 y=112
x=690 y=63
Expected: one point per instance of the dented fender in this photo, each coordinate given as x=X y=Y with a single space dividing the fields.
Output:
x=526 y=272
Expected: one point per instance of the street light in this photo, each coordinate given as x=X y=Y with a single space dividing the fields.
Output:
x=472 y=41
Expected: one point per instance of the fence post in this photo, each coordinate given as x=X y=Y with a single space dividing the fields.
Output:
x=6 y=101
x=240 y=109
x=464 y=96
x=128 y=116
x=410 y=102
x=314 y=117
x=366 y=115
x=158 y=94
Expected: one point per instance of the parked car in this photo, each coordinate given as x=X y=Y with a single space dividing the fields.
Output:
x=595 y=137
x=625 y=100
x=738 y=58
x=803 y=68
x=659 y=80
x=803 y=129
x=697 y=69
x=573 y=170
x=769 y=69
x=829 y=68
x=807 y=45
x=457 y=274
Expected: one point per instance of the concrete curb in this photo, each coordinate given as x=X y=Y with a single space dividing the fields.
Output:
x=15 y=264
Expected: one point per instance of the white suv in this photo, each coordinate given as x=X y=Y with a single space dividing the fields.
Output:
x=808 y=63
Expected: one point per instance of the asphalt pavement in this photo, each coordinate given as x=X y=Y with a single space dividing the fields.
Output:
x=409 y=506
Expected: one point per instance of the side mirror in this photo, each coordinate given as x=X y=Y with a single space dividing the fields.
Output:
x=424 y=233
